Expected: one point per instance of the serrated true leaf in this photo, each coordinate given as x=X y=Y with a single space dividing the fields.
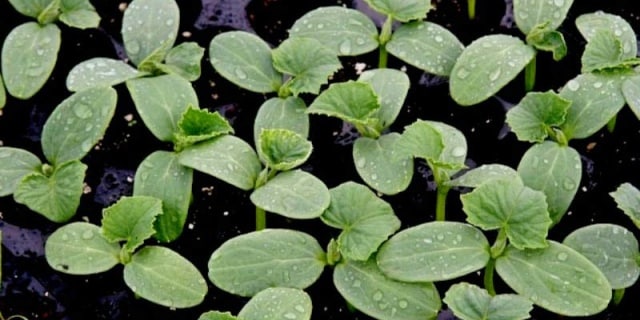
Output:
x=589 y=24
x=79 y=14
x=556 y=278
x=382 y=164
x=197 y=125
x=391 y=86
x=421 y=140
x=252 y=262
x=542 y=37
x=79 y=248
x=486 y=172
x=217 y=315
x=29 y=54
x=434 y=251
x=348 y=32
x=282 y=149
x=470 y=302
x=530 y=13
x=278 y=303
x=30 y=8
x=57 y=196
x=162 y=276
x=627 y=197
x=77 y=124
x=184 y=60
x=131 y=220
x=508 y=205
x=100 y=72
x=427 y=46
x=14 y=164
x=631 y=92
x=536 y=115
x=307 y=61
x=603 y=51
x=402 y=10
x=282 y=113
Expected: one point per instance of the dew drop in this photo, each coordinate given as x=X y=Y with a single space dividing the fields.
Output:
x=558 y=3
x=562 y=256
x=361 y=163
x=462 y=73
x=133 y=47
x=573 y=85
x=65 y=237
x=403 y=304
x=458 y=152
x=82 y=110
x=495 y=74
x=440 y=237
x=357 y=284
x=169 y=22
x=568 y=184
x=360 y=41
x=299 y=308
x=377 y=296
x=345 y=47
x=240 y=74
x=87 y=235
x=290 y=315
x=438 y=38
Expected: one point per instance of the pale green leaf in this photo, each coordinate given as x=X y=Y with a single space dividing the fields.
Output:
x=30 y=8
x=77 y=124
x=14 y=164
x=50 y=13
x=422 y=140
x=198 y=125
x=537 y=114
x=434 y=251
x=530 y=13
x=282 y=149
x=603 y=51
x=79 y=248
x=278 y=303
x=367 y=289
x=184 y=60
x=131 y=219
x=631 y=91
x=588 y=25
x=282 y=113
x=217 y=315
x=252 y=262
x=382 y=164
x=627 y=197
x=453 y=156
x=29 y=54
x=486 y=172
x=470 y=302
x=542 y=37
x=79 y=14
x=391 y=86
x=100 y=72
x=402 y=10
x=152 y=64
x=162 y=276
x=427 y=46
x=487 y=65
x=556 y=278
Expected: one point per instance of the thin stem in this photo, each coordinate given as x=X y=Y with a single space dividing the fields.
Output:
x=385 y=36
x=488 y=277
x=611 y=125
x=618 y=294
x=441 y=202
x=530 y=75
x=499 y=245
x=471 y=9
x=261 y=219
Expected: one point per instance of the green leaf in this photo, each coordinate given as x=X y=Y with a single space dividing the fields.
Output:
x=391 y=86
x=77 y=124
x=353 y=102
x=50 y=13
x=603 y=51
x=278 y=303
x=612 y=248
x=556 y=171
x=366 y=220
x=348 y=32
x=29 y=54
x=79 y=248
x=161 y=101
x=14 y=165
x=216 y=315
x=57 y=196
x=588 y=25
x=308 y=62
x=470 y=302
x=454 y=154
x=631 y=92
x=79 y=14
x=162 y=276
x=364 y=286
x=293 y=194
x=254 y=261
x=484 y=173
x=427 y=46
x=148 y=25
x=546 y=39
x=282 y=113
x=595 y=99
x=556 y=278
x=184 y=60
x=531 y=13
x=537 y=114
x=422 y=140
x=487 y=65
x=198 y=125
x=227 y=158
x=402 y=10
x=382 y=165
x=160 y=175
x=30 y=8
x=245 y=60
x=100 y=72
x=627 y=197
x=282 y=149
x=3 y=94
x=507 y=204
x=434 y=251
x=152 y=64
x=131 y=219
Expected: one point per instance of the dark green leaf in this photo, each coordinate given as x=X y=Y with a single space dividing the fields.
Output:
x=537 y=114
x=282 y=113
x=282 y=149
x=131 y=219
x=421 y=140
x=382 y=164
x=100 y=72
x=545 y=39
x=278 y=303
x=627 y=197
x=14 y=165
x=470 y=302
x=402 y=10
x=198 y=125
x=184 y=60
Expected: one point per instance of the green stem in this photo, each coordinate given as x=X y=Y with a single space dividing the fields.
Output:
x=488 y=277
x=499 y=245
x=385 y=36
x=611 y=125
x=261 y=219
x=530 y=75
x=618 y=294
x=441 y=202
x=471 y=9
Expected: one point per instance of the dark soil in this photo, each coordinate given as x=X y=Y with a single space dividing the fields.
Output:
x=31 y=288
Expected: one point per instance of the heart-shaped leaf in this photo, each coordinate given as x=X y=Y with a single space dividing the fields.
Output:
x=627 y=197
x=402 y=10
x=184 y=60
x=278 y=303
x=282 y=113
x=391 y=86
x=589 y=24
x=14 y=165
x=381 y=164
x=469 y=302
x=100 y=72
x=198 y=125
x=131 y=219
x=537 y=114
x=531 y=13
x=486 y=172
x=282 y=149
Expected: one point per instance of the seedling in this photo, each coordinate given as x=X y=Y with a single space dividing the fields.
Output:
x=270 y=303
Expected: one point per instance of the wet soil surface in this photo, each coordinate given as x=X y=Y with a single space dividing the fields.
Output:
x=219 y=212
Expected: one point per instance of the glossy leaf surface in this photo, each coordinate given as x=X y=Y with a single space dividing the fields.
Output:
x=283 y=149
x=131 y=220
x=401 y=10
x=530 y=13
x=14 y=164
x=100 y=72
x=184 y=60
x=197 y=125
x=278 y=303
x=278 y=113
x=588 y=25
x=79 y=14
x=391 y=86
x=470 y=302
x=536 y=115
x=381 y=164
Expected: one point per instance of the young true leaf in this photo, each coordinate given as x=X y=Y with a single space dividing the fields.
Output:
x=252 y=262
x=131 y=219
x=391 y=87
x=556 y=278
x=3 y=94
x=487 y=65
x=282 y=149
x=56 y=196
x=627 y=198
x=160 y=175
x=348 y=32
x=14 y=164
x=484 y=173
x=366 y=288
x=610 y=247
x=589 y=24
x=161 y=101
x=184 y=60
x=469 y=302
x=427 y=46
x=277 y=303
x=30 y=8
x=29 y=54
x=537 y=114
x=556 y=171
x=531 y=13
x=227 y=158
x=100 y=72
x=153 y=62
x=366 y=220
x=282 y=113
x=216 y=315
x=309 y=63
x=50 y=13
x=148 y=25
x=293 y=194
x=162 y=276
x=542 y=37
x=79 y=14
x=434 y=251
x=603 y=51
x=244 y=59
x=631 y=92
x=422 y=140
x=454 y=153
x=77 y=124
x=402 y=10
x=381 y=164
x=79 y=248
x=198 y=125
x=508 y=205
